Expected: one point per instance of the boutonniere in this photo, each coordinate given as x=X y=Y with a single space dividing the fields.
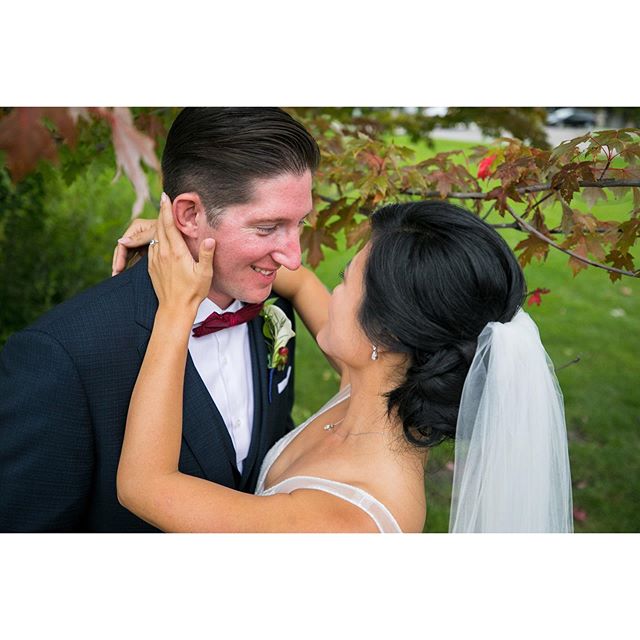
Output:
x=278 y=331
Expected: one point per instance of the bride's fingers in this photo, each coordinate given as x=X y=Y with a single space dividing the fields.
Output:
x=136 y=237
x=139 y=232
x=164 y=216
x=168 y=228
x=116 y=261
x=121 y=256
x=204 y=266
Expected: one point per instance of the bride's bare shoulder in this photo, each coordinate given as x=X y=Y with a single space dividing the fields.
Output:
x=397 y=481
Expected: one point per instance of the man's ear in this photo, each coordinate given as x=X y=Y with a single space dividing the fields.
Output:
x=188 y=212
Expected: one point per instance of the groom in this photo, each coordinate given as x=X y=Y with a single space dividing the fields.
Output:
x=242 y=176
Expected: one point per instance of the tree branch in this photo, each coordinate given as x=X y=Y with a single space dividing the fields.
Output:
x=600 y=184
x=525 y=225
x=473 y=195
x=539 y=202
x=507 y=225
x=491 y=208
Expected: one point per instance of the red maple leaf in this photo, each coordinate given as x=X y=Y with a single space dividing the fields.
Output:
x=374 y=161
x=535 y=296
x=26 y=140
x=484 y=168
x=312 y=239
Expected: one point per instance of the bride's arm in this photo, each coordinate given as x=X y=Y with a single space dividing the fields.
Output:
x=148 y=481
x=310 y=299
x=307 y=294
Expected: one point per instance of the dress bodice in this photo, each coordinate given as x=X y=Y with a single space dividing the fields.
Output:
x=385 y=522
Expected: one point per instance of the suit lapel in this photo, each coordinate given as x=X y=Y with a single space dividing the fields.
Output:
x=203 y=430
x=259 y=368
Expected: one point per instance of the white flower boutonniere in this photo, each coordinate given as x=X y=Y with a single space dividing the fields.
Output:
x=277 y=330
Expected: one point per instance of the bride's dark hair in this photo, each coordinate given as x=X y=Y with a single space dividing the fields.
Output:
x=435 y=276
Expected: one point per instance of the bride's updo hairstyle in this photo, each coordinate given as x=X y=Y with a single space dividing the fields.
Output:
x=435 y=276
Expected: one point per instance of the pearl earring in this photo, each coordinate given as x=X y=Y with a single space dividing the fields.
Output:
x=374 y=352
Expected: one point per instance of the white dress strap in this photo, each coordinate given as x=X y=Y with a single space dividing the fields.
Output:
x=385 y=522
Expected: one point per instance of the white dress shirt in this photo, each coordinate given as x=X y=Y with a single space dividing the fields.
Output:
x=223 y=360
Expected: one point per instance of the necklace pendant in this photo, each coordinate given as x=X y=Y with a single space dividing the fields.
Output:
x=328 y=427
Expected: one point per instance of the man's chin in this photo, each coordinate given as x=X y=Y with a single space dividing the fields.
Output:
x=253 y=297
x=249 y=295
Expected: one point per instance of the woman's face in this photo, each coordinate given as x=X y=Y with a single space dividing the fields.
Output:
x=342 y=337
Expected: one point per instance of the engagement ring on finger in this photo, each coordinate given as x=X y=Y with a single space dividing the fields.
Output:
x=154 y=241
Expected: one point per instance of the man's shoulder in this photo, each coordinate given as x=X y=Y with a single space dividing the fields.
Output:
x=110 y=302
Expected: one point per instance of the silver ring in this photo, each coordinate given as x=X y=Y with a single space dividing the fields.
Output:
x=154 y=241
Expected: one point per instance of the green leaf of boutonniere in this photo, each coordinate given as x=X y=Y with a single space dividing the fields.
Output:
x=278 y=331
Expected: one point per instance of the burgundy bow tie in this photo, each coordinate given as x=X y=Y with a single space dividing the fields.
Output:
x=217 y=321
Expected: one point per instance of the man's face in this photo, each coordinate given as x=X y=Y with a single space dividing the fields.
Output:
x=254 y=240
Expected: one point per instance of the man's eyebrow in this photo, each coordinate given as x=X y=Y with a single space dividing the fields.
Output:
x=275 y=219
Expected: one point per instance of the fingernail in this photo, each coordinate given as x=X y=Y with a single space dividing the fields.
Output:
x=163 y=197
x=124 y=239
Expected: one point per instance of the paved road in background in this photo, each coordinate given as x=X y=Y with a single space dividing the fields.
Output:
x=555 y=135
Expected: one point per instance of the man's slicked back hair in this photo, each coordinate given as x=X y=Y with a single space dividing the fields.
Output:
x=218 y=152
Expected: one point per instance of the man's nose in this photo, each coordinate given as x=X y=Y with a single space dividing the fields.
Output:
x=288 y=254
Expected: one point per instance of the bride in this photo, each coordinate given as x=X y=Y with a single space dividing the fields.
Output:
x=428 y=335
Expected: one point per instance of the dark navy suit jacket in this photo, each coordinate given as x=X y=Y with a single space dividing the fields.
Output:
x=65 y=386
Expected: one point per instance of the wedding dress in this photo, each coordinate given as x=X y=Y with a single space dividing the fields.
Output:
x=385 y=522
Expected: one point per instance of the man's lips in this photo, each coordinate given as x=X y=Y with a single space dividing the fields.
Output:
x=265 y=272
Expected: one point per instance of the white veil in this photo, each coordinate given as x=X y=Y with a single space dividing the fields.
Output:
x=511 y=470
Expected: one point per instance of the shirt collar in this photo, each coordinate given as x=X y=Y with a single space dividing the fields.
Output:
x=207 y=307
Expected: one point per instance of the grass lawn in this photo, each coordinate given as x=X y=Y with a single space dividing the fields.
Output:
x=587 y=317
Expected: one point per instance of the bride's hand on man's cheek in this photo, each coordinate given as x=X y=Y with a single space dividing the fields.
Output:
x=135 y=240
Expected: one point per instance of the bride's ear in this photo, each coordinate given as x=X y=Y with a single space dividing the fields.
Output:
x=188 y=211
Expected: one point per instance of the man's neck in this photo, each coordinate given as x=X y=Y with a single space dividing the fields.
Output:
x=221 y=301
